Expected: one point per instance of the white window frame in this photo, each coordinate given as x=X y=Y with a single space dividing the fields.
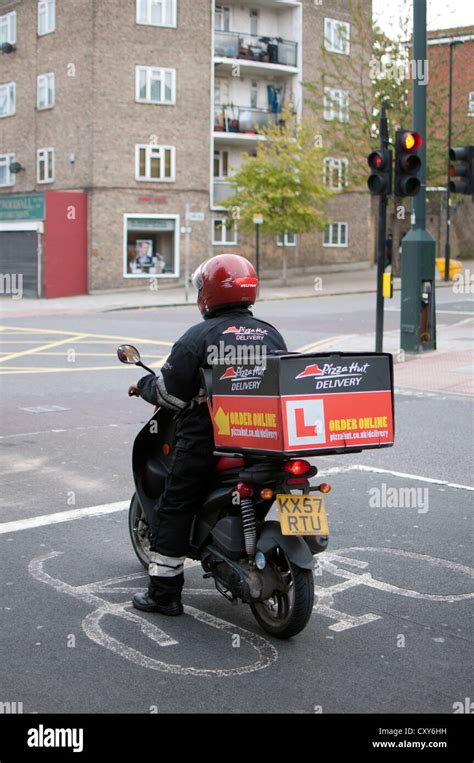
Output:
x=332 y=242
x=48 y=9
x=337 y=35
x=254 y=18
x=285 y=240
x=339 y=167
x=221 y=91
x=151 y=73
x=336 y=104
x=45 y=155
x=6 y=160
x=470 y=111
x=220 y=152
x=10 y=88
x=222 y=18
x=225 y=228
x=149 y=4
x=8 y=28
x=159 y=150
x=44 y=80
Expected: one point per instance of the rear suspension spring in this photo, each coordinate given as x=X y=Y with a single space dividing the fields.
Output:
x=249 y=526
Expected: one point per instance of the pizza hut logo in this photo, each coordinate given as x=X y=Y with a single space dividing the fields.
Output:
x=242 y=372
x=312 y=370
x=231 y=330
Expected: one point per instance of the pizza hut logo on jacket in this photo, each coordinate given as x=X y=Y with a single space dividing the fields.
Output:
x=245 y=333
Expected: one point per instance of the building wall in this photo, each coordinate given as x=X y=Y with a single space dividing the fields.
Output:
x=96 y=122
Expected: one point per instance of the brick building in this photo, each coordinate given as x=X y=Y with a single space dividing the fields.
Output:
x=117 y=115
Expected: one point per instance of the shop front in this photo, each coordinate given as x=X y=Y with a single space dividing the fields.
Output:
x=151 y=246
x=43 y=242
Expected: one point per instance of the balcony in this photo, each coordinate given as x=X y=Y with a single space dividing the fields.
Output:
x=242 y=123
x=223 y=190
x=256 y=53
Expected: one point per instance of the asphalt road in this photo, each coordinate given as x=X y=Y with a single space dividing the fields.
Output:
x=390 y=631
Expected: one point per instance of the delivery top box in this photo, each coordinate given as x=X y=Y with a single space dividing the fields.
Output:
x=304 y=404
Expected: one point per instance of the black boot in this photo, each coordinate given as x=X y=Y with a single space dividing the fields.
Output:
x=163 y=596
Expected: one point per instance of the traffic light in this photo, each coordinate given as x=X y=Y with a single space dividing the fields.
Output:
x=380 y=180
x=407 y=163
x=463 y=170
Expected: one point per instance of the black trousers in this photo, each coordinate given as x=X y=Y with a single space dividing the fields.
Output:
x=185 y=487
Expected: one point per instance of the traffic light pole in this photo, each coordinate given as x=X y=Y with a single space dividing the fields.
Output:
x=417 y=314
x=381 y=236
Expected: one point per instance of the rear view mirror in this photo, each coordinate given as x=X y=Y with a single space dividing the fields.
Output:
x=127 y=353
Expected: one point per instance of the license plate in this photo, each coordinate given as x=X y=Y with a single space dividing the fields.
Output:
x=302 y=514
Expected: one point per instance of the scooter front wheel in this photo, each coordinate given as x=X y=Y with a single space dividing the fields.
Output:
x=139 y=531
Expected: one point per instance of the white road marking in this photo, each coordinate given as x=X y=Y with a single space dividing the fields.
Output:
x=91 y=625
x=110 y=508
x=417 y=477
x=62 y=516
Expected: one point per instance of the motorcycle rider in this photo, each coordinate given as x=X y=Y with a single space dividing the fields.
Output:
x=227 y=286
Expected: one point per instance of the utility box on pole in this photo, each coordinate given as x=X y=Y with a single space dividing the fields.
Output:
x=418 y=310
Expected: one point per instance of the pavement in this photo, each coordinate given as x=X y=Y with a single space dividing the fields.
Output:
x=316 y=282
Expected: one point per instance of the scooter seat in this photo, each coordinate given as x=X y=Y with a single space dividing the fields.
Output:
x=228 y=462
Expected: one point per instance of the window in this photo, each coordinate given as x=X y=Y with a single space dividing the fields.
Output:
x=8 y=28
x=335 y=172
x=155 y=163
x=155 y=85
x=46 y=16
x=224 y=232
x=222 y=18
x=337 y=36
x=151 y=246
x=254 y=95
x=336 y=104
x=7 y=99
x=471 y=104
x=254 y=22
x=45 y=91
x=45 y=165
x=289 y=239
x=221 y=164
x=156 y=12
x=335 y=234
x=221 y=91
x=6 y=177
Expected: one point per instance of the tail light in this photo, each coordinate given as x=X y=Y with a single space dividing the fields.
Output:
x=297 y=467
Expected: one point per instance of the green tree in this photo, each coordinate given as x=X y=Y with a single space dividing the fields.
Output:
x=283 y=182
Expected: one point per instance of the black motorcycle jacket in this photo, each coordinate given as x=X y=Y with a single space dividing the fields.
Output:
x=178 y=384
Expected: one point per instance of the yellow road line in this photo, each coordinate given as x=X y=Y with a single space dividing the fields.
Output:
x=320 y=343
x=120 y=339
x=20 y=370
x=38 y=349
x=87 y=354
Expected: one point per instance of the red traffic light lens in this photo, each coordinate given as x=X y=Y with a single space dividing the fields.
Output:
x=411 y=141
x=452 y=171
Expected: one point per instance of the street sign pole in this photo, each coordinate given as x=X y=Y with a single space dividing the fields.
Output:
x=186 y=253
x=258 y=220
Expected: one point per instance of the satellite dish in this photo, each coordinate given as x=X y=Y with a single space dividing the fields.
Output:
x=16 y=167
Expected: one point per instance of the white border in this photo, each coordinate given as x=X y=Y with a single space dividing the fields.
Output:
x=152 y=276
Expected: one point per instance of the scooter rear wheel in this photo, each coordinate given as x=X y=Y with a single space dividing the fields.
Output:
x=286 y=613
x=139 y=531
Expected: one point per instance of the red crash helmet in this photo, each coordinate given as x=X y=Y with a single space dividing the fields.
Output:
x=226 y=280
